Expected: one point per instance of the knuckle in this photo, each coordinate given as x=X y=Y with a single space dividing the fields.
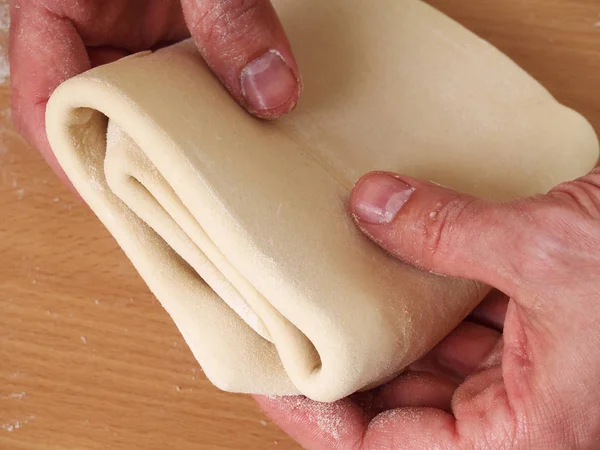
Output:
x=437 y=228
x=584 y=193
x=556 y=243
x=223 y=23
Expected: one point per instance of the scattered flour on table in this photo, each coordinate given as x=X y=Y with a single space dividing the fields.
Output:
x=16 y=395
x=16 y=424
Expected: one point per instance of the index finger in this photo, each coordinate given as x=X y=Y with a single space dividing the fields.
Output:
x=314 y=425
x=341 y=425
x=44 y=51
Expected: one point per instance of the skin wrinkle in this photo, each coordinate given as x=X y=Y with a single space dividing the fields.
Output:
x=226 y=24
x=581 y=193
x=435 y=232
x=546 y=246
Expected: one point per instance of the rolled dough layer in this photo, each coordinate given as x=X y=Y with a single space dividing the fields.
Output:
x=240 y=227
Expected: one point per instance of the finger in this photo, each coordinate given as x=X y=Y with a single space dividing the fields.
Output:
x=461 y=353
x=416 y=389
x=433 y=227
x=464 y=350
x=412 y=428
x=441 y=230
x=129 y=25
x=480 y=410
x=244 y=44
x=316 y=426
x=519 y=244
x=45 y=50
x=491 y=311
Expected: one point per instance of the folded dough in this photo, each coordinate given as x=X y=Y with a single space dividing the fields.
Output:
x=239 y=226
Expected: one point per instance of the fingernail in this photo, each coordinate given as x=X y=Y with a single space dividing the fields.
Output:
x=268 y=82
x=378 y=198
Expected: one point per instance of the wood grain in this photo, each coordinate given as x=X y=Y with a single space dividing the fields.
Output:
x=88 y=358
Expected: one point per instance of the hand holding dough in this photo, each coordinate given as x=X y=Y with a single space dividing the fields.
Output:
x=240 y=227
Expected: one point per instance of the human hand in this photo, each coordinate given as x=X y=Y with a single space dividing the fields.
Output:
x=537 y=384
x=53 y=40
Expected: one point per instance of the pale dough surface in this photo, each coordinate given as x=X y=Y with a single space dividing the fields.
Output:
x=240 y=227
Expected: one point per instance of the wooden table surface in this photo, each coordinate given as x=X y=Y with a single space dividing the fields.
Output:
x=88 y=358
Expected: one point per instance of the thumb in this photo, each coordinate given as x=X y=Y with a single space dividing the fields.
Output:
x=245 y=45
x=512 y=245
x=440 y=230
